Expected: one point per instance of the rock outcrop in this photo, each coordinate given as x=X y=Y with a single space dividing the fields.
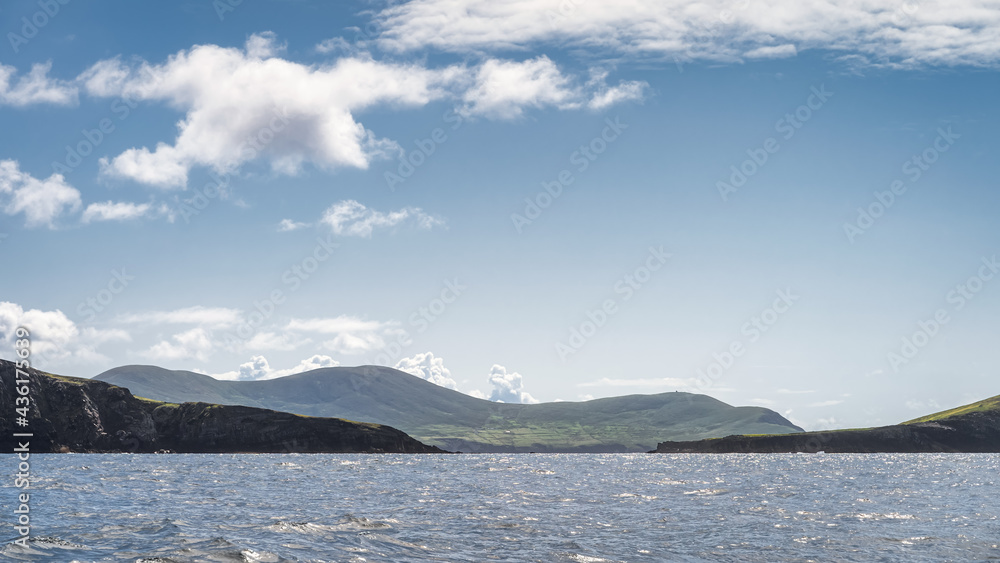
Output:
x=69 y=414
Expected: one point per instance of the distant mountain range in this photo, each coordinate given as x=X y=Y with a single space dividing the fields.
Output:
x=71 y=414
x=971 y=428
x=457 y=422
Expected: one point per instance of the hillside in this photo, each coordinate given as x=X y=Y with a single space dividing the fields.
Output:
x=69 y=414
x=457 y=422
x=969 y=428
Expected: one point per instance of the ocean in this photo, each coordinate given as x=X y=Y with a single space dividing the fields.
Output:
x=529 y=507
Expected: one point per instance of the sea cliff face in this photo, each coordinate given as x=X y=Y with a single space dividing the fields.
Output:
x=974 y=432
x=81 y=415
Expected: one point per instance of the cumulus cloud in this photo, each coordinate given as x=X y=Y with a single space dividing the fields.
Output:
x=426 y=366
x=41 y=201
x=503 y=89
x=245 y=104
x=258 y=368
x=350 y=335
x=35 y=88
x=54 y=336
x=350 y=218
x=885 y=32
x=508 y=387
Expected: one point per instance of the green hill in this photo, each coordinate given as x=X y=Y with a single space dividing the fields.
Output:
x=970 y=428
x=457 y=422
x=991 y=404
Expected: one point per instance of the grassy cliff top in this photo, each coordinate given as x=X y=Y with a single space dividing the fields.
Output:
x=993 y=403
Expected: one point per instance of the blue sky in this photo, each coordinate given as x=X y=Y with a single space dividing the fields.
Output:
x=788 y=206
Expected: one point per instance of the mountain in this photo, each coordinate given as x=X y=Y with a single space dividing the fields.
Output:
x=457 y=422
x=970 y=428
x=69 y=414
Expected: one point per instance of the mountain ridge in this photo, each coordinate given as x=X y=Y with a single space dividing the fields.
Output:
x=458 y=422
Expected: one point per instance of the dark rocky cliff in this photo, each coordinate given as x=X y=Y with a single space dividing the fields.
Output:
x=81 y=415
x=971 y=432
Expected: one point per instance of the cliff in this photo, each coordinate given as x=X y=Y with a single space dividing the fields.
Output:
x=69 y=414
x=973 y=428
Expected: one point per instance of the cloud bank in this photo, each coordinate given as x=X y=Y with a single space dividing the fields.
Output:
x=875 y=32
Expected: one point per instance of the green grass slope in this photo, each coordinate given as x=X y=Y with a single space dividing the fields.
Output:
x=457 y=422
x=991 y=404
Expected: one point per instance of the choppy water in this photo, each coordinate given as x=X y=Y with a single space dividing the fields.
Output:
x=585 y=508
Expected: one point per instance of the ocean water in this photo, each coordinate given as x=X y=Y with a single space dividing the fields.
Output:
x=532 y=507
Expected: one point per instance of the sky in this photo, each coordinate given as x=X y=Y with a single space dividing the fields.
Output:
x=790 y=205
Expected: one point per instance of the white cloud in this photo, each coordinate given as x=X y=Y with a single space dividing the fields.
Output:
x=296 y=113
x=54 y=336
x=339 y=45
x=209 y=317
x=243 y=105
x=508 y=387
x=115 y=211
x=351 y=335
x=350 y=218
x=775 y=52
x=35 y=88
x=195 y=343
x=626 y=91
x=426 y=366
x=288 y=225
x=264 y=45
x=960 y=32
x=503 y=89
x=268 y=340
x=41 y=201
x=795 y=392
x=258 y=368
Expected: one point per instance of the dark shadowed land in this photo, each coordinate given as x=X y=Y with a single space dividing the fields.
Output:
x=69 y=414
x=458 y=422
x=973 y=428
